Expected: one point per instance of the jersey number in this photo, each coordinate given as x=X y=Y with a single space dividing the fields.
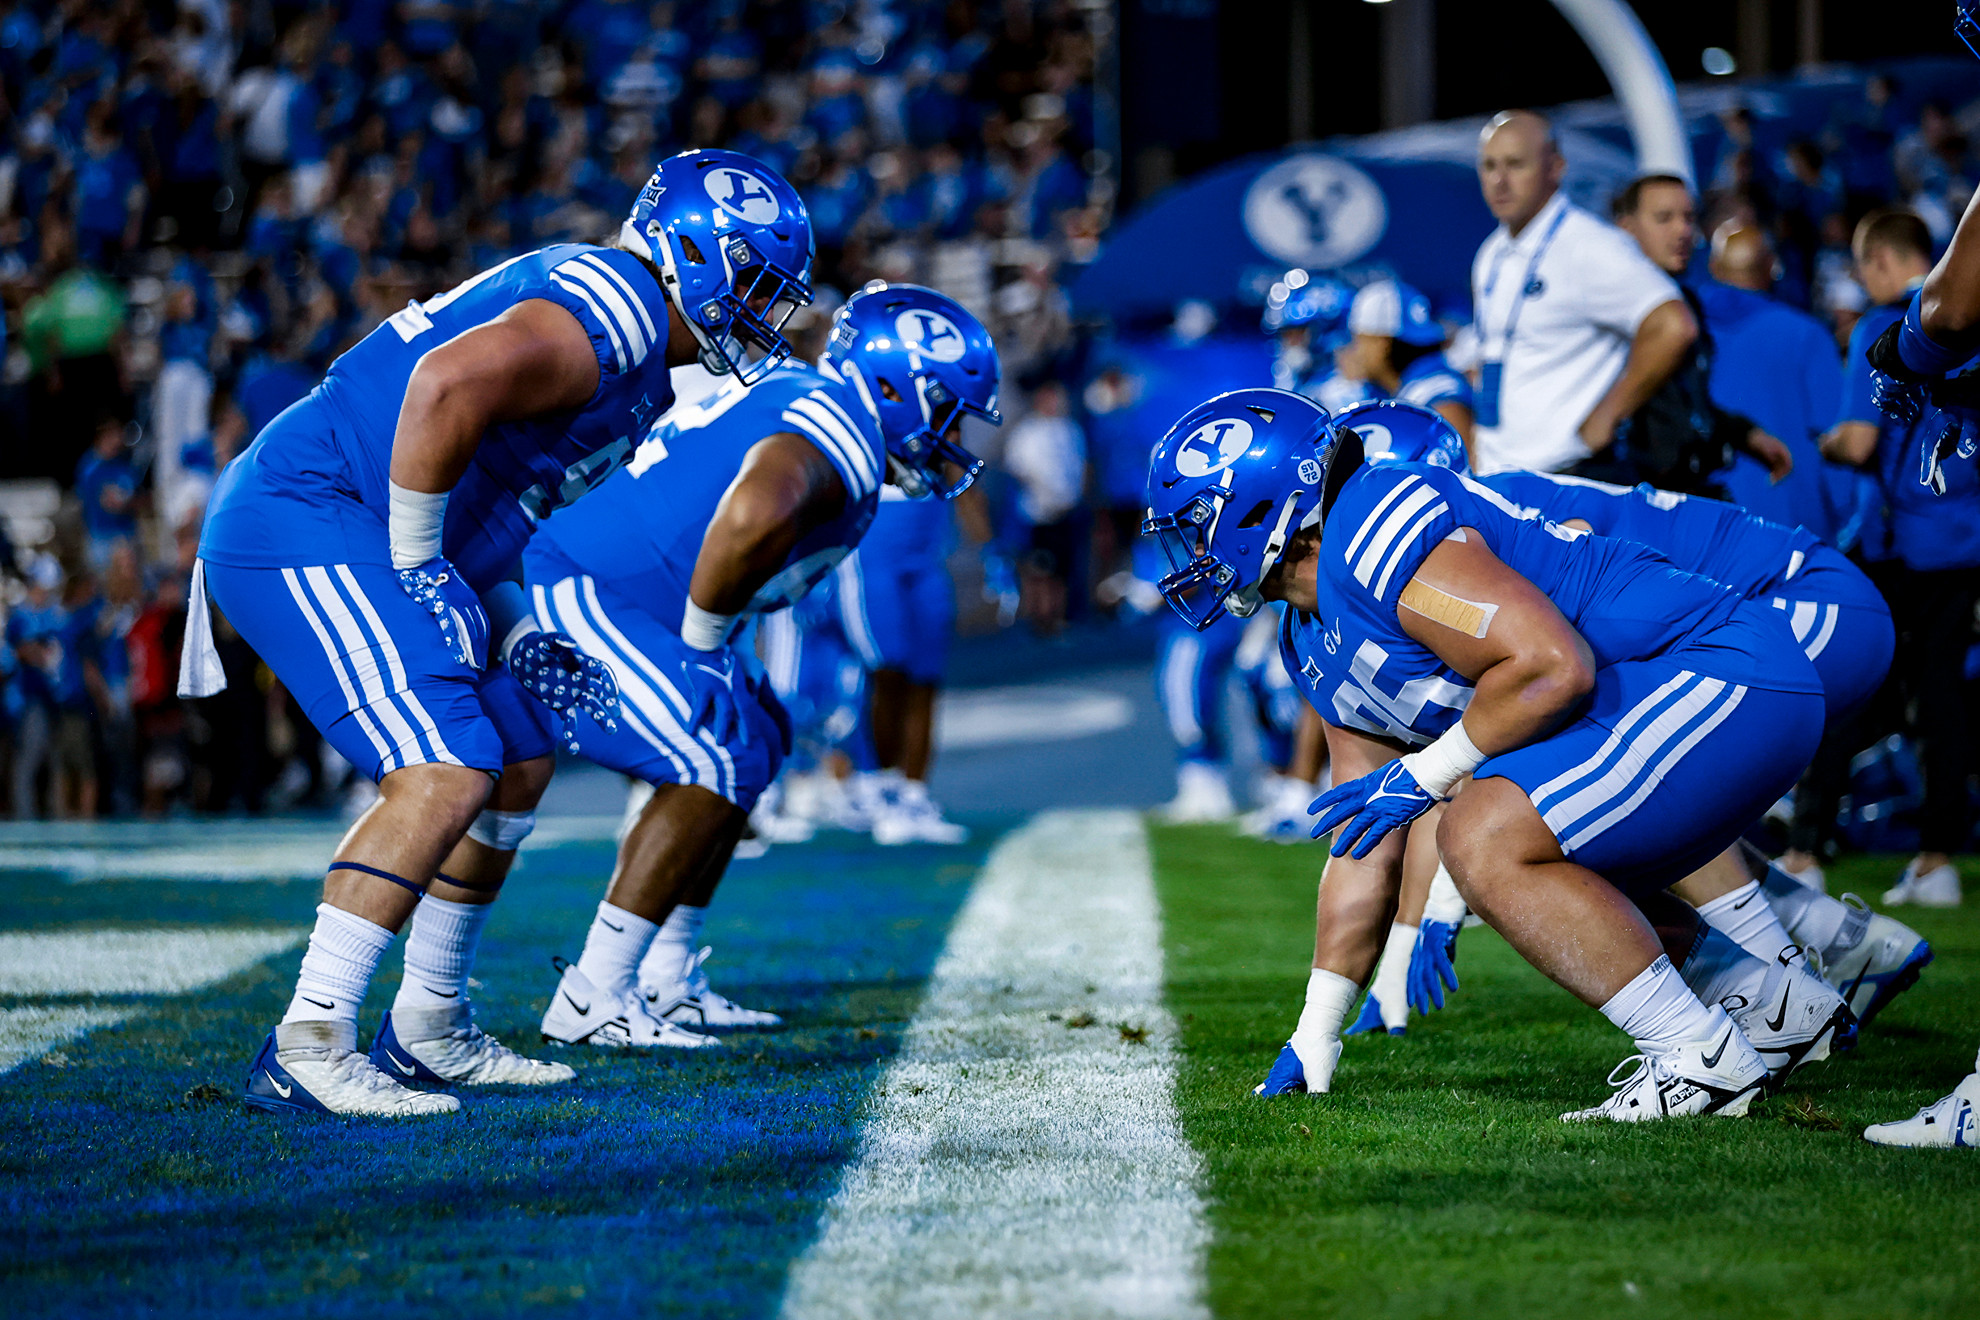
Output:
x=1360 y=702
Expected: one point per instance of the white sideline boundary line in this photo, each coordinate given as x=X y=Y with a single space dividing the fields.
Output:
x=1010 y=1165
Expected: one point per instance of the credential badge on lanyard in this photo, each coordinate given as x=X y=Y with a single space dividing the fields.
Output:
x=1492 y=372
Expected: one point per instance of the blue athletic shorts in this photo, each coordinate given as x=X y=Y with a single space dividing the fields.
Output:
x=1843 y=625
x=656 y=699
x=1190 y=669
x=898 y=612
x=371 y=670
x=814 y=671
x=1665 y=767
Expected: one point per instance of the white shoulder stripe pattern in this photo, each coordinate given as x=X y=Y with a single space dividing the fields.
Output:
x=645 y=320
x=619 y=313
x=1391 y=530
x=812 y=429
x=1375 y=516
x=1403 y=542
x=597 y=313
x=821 y=422
x=875 y=447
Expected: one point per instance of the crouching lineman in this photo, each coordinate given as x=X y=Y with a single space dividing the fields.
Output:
x=736 y=506
x=1841 y=624
x=1915 y=361
x=348 y=543
x=1622 y=722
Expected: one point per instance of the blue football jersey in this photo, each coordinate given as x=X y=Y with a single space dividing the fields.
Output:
x=641 y=532
x=1431 y=380
x=1362 y=671
x=1722 y=541
x=318 y=480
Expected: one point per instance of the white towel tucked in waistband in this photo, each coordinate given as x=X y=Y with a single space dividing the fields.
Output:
x=200 y=673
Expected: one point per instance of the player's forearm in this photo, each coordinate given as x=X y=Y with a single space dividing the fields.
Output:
x=747 y=542
x=440 y=423
x=1655 y=354
x=1949 y=304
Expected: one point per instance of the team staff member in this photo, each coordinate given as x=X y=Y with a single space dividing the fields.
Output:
x=1577 y=329
x=1934 y=540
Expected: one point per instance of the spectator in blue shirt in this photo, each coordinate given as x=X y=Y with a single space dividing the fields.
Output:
x=49 y=641
x=1933 y=576
x=107 y=486
x=109 y=196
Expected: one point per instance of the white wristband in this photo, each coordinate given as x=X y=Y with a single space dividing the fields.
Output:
x=1445 y=761
x=703 y=630
x=413 y=525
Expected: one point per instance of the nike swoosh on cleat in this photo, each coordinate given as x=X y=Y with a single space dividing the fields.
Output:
x=319 y=1003
x=406 y=1068
x=1712 y=1060
x=281 y=1090
x=584 y=1010
x=1780 y=1017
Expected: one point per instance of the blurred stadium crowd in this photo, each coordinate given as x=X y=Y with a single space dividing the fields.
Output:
x=201 y=205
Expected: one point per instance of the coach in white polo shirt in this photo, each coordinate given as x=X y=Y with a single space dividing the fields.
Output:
x=1576 y=328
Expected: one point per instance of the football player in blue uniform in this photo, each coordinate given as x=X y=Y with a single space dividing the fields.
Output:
x=365 y=546
x=1622 y=722
x=733 y=507
x=1398 y=346
x=1307 y=317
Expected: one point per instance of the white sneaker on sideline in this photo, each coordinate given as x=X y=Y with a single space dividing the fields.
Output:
x=773 y=824
x=443 y=1046
x=1721 y=1074
x=1938 y=887
x=1873 y=960
x=1202 y=795
x=1951 y=1123
x=315 y=1067
x=1798 y=1019
x=686 y=998
x=582 y=1014
x=1281 y=815
x=909 y=815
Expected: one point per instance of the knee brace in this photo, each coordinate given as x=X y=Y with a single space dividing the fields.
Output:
x=503 y=831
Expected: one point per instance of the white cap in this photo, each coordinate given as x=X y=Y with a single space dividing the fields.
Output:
x=1393 y=309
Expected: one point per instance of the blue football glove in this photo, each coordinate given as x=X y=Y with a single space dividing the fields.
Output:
x=1430 y=965
x=1949 y=427
x=716 y=687
x=1369 y=807
x=554 y=671
x=437 y=587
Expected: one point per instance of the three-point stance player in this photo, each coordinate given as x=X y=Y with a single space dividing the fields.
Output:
x=349 y=544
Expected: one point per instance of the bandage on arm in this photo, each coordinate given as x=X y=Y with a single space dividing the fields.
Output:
x=1470 y=617
x=414 y=521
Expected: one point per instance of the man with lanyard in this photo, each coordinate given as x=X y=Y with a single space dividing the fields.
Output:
x=1577 y=328
x=1913 y=360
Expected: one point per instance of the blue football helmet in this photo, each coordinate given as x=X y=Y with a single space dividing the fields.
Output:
x=1319 y=302
x=733 y=244
x=1228 y=487
x=1395 y=432
x=920 y=361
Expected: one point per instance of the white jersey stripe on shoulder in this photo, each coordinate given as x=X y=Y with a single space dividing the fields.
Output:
x=1658 y=773
x=598 y=314
x=1594 y=764
x=872 y=446
x=637 y=343
x=1635 y=762
x=830 y=445
x=1386 y=536
x=1374 y=517
x=400 y=687
x=1430 y=515
x=856 y=444
x=852 y=454
x=351 y=702
x=599 y=263
x=725 y=775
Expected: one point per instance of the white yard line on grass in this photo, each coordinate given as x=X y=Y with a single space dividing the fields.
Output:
x=1012 y=1163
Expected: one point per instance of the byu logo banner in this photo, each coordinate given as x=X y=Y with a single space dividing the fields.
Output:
x=1213 y=446
x=742 y=195
x=1314 y=210
x=931 y=334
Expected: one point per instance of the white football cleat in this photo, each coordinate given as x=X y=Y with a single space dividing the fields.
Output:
x=315 y=1068
x=907 y=814
x=582 y=1014
x=1202 y=796
x=1874 y=959
x=1952 y=1123
x=773 y=825
x=685 y=998
x=1798 y=1019
x=1281 y=815
x=1938 y=887
x=1722 y=1074
x=443 y=1046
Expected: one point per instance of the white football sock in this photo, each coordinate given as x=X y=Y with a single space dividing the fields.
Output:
x=440 y=949
x=1658 y=1011
x=1748 y=922
x=344 y=950
x=618 y=939
x=1812 y=918
x=1717 y=968
x=679 y=937
x=1391 y=988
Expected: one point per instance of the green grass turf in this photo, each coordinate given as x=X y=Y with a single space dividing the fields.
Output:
x=1436 y=1180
